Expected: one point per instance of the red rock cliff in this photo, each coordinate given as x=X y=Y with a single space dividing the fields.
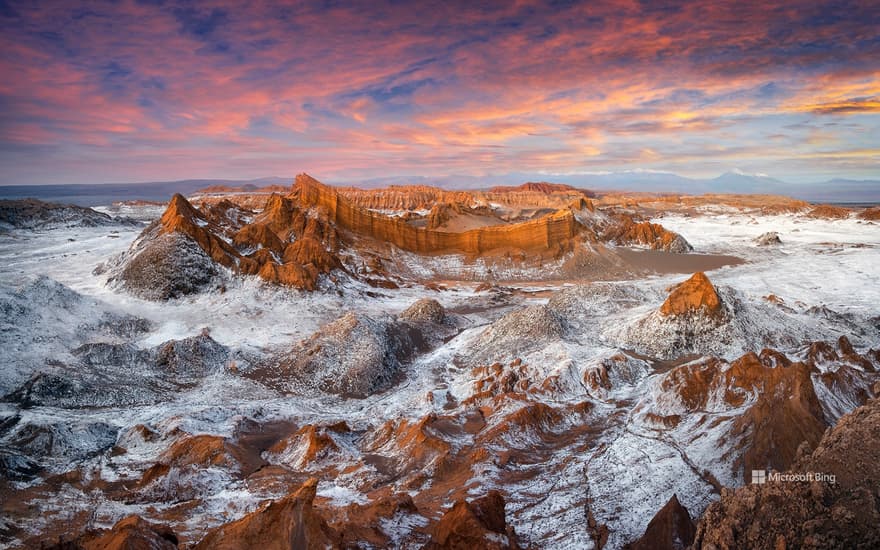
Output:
x=546 y=233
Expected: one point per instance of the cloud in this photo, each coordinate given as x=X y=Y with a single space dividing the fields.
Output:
x=848 y=106
x=376 y=87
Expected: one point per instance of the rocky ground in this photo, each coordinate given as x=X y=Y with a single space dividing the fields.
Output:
x=235 y=376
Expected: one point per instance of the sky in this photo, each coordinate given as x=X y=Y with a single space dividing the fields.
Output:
x=149 y=90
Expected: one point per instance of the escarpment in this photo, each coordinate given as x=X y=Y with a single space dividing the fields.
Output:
x=404 y=197
x=310 y=233
x=545 y=233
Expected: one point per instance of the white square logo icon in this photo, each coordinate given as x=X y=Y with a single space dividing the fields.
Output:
x=759 y=476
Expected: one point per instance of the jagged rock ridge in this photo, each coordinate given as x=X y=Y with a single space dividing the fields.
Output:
x=316 y=230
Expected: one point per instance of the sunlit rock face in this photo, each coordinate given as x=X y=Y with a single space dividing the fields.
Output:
x=316 y=234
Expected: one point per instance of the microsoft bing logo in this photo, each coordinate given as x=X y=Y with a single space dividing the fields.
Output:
x=760 y=477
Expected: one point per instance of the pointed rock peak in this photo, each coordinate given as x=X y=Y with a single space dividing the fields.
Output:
x=290 y=522
x=178 y=202
x=277 y=205
x=582 y=203
x=694 y=294
x=470 y=524
x=308 y=490
x=178 y=206
x=311 y=192
x=305 y=181
x=671 y=528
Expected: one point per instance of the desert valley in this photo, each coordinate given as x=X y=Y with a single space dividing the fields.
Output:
x=534 y=366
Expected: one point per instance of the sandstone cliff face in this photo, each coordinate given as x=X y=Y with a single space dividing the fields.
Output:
x=422 y=197
x=404 y=197
x=803 y=513
x=538 y=194
x=546 y=233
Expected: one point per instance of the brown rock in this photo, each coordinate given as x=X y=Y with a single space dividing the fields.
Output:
x=829 y=212
x=258 y=234
x=183 y=217
x=871 y=214
x=203 y=451
x=288 y=523
x=786 y=413
x=545 y=233
x=131 y=533
x=671 y=529
x=306 y=446
x=693 y=294
x=654 y=235
x=309 y=252
x=477 y=524
x=838 y=510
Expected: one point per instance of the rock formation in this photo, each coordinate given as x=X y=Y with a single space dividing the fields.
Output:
x=693 y=319
x=546 y=233
x=317 y=232
x=131 y=533
x=670 y=529
x=652 y=235
x=870 y=214
x=404 y=197
x=291 y=522
x=829 y=499
x=776 y=399
x=107 y=374
x=177 y=255
x=426 y=310
x=695 y=294
x=355 y=355
x=480 y=523
x=770 y=238
x=515 y=334
x=829 y=212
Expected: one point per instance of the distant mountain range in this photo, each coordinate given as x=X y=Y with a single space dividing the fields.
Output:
x=836 y=190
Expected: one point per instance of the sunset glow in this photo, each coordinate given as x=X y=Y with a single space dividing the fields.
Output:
x=154 y=90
